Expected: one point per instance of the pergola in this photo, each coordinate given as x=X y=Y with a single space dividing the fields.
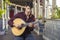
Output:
x=21 y=3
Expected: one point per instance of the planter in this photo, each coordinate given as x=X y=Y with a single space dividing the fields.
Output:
x=2 y=32
x=0 y=24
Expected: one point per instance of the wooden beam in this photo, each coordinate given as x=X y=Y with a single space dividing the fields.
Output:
x=20 y=0
x=43 y=14
x=12 y=4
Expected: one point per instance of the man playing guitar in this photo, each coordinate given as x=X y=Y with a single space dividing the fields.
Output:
x=28 y=18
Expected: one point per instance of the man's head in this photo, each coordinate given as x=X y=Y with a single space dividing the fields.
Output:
x=28 y=7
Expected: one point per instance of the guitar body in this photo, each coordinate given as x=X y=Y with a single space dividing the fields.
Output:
x=16 y=31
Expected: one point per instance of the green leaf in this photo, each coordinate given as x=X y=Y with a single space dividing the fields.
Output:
x=2 y=12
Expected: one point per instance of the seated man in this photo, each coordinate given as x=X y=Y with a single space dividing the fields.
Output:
x=27 y=17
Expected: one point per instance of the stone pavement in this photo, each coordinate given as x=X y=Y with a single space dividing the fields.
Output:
x=52 y=29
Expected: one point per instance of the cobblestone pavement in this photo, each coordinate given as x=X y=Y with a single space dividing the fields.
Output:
x=52 y=29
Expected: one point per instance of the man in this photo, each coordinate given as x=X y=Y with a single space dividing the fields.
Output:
x=28 y=18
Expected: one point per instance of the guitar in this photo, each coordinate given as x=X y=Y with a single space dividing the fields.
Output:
x=20 y=30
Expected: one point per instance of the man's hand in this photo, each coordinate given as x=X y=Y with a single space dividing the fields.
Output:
x=17 y=25
x=30 y=25
x=35 y=25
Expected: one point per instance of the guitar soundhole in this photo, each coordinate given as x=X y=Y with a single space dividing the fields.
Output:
x=20 y=28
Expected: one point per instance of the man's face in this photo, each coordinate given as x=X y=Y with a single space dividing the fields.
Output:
x=28 y=10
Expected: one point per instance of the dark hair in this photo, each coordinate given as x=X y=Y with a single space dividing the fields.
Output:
x=30 y=4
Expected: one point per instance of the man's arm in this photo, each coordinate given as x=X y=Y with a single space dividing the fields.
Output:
x=33 y=18
x=32 y=25
x=10 y=22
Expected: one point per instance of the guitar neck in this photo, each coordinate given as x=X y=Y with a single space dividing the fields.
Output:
x=27 y=24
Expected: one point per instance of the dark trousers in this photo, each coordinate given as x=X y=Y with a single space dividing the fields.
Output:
x=29 y=37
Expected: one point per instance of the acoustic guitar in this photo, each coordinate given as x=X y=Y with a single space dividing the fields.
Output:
x=18 y=31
